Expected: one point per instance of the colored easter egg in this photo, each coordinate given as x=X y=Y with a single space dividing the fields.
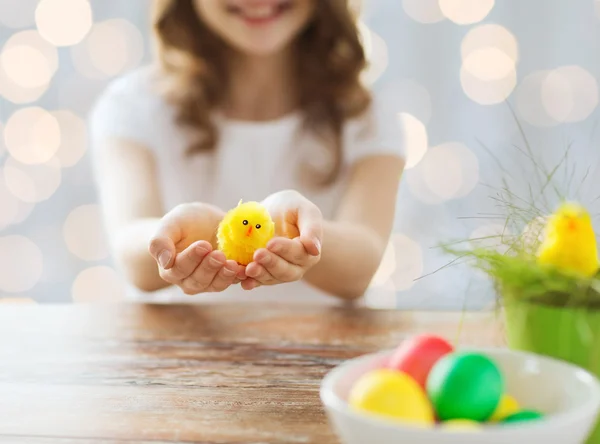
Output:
x=391 y=394
x=508 y=406
x=460 y=425
x=416 y=356
x=522 y=416
x=465 y=385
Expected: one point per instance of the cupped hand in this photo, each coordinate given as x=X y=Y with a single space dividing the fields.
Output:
x=184 y=255
x=297 y=245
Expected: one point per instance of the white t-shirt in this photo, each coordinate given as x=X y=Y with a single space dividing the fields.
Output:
x=252 y=160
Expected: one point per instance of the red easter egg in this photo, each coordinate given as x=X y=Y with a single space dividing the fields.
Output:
x=416 y=356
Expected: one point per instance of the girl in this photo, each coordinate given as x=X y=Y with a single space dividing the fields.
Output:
x=253 y=100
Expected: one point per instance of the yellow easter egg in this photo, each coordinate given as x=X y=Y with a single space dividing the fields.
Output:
x=391 y=394
x=461 y=425
x=508 y=405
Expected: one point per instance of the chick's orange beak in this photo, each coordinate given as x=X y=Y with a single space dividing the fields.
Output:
x=572 y=225
x=249 y=232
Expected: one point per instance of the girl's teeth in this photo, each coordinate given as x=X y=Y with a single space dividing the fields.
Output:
x=260 y=12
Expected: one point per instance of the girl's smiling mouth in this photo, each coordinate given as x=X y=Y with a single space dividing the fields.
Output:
x=259 y=12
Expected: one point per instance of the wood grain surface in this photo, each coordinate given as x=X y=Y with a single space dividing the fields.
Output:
x=202 y=374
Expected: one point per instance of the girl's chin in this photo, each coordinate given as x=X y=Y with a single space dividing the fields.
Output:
x=261 y=43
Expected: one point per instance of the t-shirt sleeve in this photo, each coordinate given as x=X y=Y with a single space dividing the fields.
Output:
x=376 y=132
x=126 y=109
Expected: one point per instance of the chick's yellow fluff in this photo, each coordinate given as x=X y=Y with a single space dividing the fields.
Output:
x=570 y=242
x=243 y=230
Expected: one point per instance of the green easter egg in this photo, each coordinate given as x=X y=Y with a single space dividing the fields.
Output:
x=522 y=416
x=465 y=385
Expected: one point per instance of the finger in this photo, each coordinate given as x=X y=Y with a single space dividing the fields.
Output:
x=186 y=262
x=225 y=277
x=310 y=224
x=204 y=274
x=241 y=275
x=250 y=284
x=259 y=273
x=162 y=244
x=278 y=267
x=292 y=250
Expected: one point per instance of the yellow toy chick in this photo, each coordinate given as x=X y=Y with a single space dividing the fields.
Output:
x=570 y=242
x=243 y=230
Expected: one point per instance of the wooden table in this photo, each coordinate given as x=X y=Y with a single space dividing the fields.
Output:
x=212 y=374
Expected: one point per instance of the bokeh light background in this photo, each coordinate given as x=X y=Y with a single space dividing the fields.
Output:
x=451 y=67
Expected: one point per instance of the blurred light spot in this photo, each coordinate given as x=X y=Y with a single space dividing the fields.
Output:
x=408 y=96
x=490 y=36
x=29 y=62
x=21 y=264
x=12 y=210
x=63 y=22
x=112 y=47
x=418 y=186
x=529 y=104
x=98 y=284
x=423 y=11
x=84 y=233
x=9 y=204
x=557 y=96
x=466 y=12
x=73 y=142
x=32 y=135
x=469 y=164
x=2 y=145
x=33 y=39
x=447 y=171
x=409 y=262
x=26 y=66
x=415 y=138
x=488 y=92
x=386 y=267
x=488 y=64
x=492 y=236
x=17 y=94
x=25 y=301
x=442 y=172
x=569 y=94
x=15 y=17
x=32 y=183
x=23 y=211
x=376 y=53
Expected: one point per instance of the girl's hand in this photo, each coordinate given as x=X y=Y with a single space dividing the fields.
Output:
x=296 y=246
x=184 y=255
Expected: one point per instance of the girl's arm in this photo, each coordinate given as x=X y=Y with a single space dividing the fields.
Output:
x=133 y=213
x=355 y=240
x=132 y=208
x=339 y=256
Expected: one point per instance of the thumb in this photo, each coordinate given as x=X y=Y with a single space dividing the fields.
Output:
x=162 y=244
x=310 y=225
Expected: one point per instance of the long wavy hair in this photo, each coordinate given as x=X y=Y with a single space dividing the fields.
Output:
x=194 y=63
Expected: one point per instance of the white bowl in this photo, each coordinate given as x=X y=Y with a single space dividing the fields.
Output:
x=568 y=395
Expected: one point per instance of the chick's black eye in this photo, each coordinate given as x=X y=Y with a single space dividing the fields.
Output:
x=245 y=222
x=257 y=226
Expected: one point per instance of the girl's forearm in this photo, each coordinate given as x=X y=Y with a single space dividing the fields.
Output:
x=130 y=247
x=350 y=256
